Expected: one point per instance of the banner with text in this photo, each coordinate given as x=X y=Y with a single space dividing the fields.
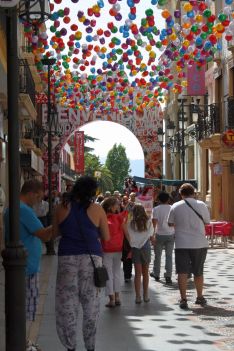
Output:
x=79 y=151
x=196 y=81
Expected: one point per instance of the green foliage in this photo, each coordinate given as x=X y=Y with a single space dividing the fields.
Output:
x=119 y=165
x=93 y=164
x=86 y=139
x=105 y=181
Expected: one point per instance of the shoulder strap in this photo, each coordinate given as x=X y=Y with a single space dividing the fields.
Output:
x=198 y=214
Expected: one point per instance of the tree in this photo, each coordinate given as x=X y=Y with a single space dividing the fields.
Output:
x=105 y=181
x=86 y=139
x=92 y=165
x=119 y=165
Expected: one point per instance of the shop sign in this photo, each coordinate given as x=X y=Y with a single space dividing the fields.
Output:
x=228 y=138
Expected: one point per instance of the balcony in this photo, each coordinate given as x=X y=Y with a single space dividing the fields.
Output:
x=27 y=92
x=208 y=122
x=32 y=163
x=36 y=133
x=67 y=172
x=26 y=54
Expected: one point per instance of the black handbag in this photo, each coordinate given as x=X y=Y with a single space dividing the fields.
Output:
x=100 y=274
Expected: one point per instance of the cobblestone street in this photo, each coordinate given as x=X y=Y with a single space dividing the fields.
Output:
x=161 y=325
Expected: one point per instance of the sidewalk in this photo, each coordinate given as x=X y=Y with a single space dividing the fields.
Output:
x=156 y=326
x=160 y=324
x=2 y=306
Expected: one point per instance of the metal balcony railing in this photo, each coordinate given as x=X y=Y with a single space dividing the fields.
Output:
x=36 y=133
x=208 y=122
x=65 y=169
x=26 y=82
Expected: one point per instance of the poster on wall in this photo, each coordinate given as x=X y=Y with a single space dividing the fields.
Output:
x=79 y=151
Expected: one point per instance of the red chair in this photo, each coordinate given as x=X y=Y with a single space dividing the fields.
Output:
x=222 y=231
x=208 y=230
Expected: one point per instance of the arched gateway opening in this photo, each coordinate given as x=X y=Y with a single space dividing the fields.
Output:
x=143 y=125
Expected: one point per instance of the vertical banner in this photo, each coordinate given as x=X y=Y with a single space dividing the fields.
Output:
x=79 y=152
x=196 y=81
x=146 y=199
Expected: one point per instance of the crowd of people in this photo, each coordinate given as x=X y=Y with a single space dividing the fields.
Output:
x=109 y=229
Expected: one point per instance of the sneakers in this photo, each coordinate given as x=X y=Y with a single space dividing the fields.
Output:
x=201 y=301
x=154 y=276
x=183 y=304
x=168 y=280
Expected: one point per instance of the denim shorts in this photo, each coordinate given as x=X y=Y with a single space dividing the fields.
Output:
x=142 y=255
x=190 y=261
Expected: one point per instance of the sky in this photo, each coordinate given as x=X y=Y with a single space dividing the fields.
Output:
x=110 y=133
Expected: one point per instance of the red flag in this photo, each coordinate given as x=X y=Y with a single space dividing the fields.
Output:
x=79 y=152
x=196 y=81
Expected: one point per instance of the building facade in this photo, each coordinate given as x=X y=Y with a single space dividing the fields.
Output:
x=207 y=150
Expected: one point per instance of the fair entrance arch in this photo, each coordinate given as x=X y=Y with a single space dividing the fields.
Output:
x=144 y=126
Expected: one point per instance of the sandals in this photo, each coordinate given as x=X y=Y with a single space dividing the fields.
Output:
x=138 y=300
x=146 y=299
x=110 y=304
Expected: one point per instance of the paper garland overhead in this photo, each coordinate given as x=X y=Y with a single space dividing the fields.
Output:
x=127 y=67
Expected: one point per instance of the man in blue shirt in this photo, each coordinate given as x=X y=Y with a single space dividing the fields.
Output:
x=32 y=233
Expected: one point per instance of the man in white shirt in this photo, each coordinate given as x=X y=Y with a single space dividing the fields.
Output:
x=188 y=216
x=164 y=238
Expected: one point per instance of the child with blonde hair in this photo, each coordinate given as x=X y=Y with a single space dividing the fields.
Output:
x=140 y=231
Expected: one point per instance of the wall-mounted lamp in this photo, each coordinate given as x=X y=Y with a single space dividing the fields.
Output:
x=160 y=134
x=170 y=128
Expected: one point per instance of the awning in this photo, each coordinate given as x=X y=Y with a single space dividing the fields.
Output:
x=169 y=182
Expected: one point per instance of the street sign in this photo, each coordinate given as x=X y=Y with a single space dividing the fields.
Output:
x=97 y=174
x=9 y=3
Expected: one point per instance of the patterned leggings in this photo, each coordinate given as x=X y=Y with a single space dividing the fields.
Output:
x=75 y=285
